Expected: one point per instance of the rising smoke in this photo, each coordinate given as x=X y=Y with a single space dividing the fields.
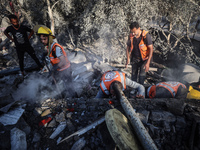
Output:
x=35 y=88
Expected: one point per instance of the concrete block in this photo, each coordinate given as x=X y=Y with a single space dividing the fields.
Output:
x=77 y=58
x=102 y=67
x=80 y=69
x=18 y=139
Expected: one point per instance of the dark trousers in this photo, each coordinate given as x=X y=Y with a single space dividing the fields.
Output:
x=20 y=53
x=67 y=79
x=138 y=67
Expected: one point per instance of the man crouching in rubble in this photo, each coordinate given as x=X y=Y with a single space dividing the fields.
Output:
x=111 y=79
x=61 y=69
x=167 y=90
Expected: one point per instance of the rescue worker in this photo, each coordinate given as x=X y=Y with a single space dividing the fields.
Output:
x=61 y=69
x=167 y=90
x=139 y=52
x=111 y=79
x=21 y=40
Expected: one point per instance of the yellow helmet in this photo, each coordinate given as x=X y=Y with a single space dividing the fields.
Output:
x=40 y=29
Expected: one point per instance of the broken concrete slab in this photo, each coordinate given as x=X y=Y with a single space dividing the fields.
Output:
x=93 y=57
x=78 y=145
x=12 y=116
x=159 y=116
x=58 y=130
x=80 y=69
x=103 y=67
x=18 y=139
x=77 y=58
x=36 y=137
x=185 y=73
x=7 y=107
x=85 y=77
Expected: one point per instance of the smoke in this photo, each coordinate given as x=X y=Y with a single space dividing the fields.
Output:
x=35 y=88
x=108 y=45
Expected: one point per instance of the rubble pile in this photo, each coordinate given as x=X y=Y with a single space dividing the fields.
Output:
x=43 y=121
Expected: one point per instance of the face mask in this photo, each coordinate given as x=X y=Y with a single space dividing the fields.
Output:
x=16 y=26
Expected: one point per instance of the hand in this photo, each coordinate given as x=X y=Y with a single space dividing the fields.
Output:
x=126 y=65
x=146 y=67
x=140 y=96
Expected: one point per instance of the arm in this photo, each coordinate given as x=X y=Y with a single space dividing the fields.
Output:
x=62 y=61
x=31 y=33
x=127 y=55
x=8 y=36
x=150 y=47
x=58 y=65
x=140 y=88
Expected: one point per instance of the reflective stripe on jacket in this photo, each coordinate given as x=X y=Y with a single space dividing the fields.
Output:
x=55 y=60
x=172 y=87
x=110 y=77
x=144 y=51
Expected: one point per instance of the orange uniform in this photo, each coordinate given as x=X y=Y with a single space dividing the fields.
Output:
x=142 y=46
x=55 y=60
x=110 y=77
x=172 y=87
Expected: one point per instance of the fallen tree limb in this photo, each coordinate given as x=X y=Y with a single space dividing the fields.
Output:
x=84 y=130
x=129 y=66
x=139 y=128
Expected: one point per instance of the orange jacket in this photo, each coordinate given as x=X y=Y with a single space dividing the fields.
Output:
x=55 y=60
x=172 y=87
x=144 y=51
x=110 y=77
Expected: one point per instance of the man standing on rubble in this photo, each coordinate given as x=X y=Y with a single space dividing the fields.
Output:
x=61 y=69
x=111 y=79
x=167 y=90
x=140 y=51
x=21 y=40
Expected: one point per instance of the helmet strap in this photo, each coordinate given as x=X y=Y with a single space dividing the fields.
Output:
x=50 y=41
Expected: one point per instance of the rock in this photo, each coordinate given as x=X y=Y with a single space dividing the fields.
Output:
x=102 y=67
x=52 y=123
x=70 y=125
x=69 y=115
x=60 y=117
x=77 y=58
x=143 y=116
x=186 y=73
x=11 y=117
x=58 y=130
x=22 y=125
x=78 y=145
x=18 y=139
x=36 y=137
x=81 y=69
x=159 y=116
